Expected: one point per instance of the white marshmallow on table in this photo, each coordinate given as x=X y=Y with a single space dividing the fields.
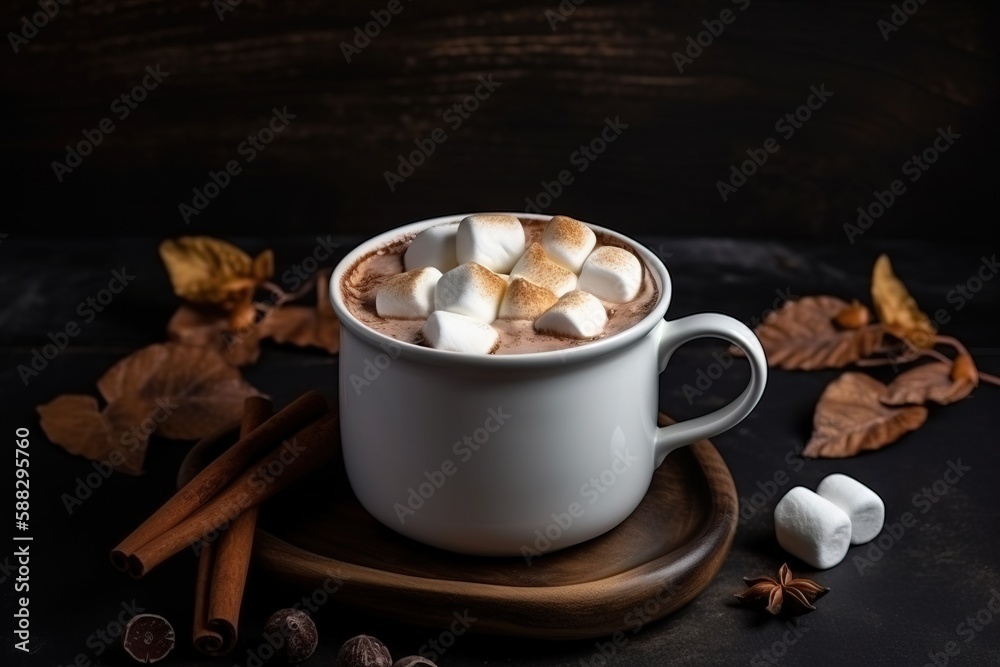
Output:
x=435 y=246
x=470 y=289
x=812 y=528
x=536 y=267
x=610 y=273
x=568 y=242
x=458 y=333
x=524 y=300
x=862 y=505
x=492 y=240
x=577 y=314
x=408 y=296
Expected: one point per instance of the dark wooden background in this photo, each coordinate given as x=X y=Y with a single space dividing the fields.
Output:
x=325 y=173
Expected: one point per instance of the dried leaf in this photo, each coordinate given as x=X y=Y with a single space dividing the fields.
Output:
x=304 y=326
x=115 y=435
x=896 y=309
x=849 y=418
x=938 y=381
x=195 y=390
x=802 y=335
x=207 y=270
x=210 y=327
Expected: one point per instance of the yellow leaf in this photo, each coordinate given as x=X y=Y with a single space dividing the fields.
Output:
x=208 y=270
x=896 y=309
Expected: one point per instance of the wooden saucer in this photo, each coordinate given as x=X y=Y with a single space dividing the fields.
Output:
x=659 y=559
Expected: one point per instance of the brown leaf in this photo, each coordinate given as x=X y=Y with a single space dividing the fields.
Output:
x=896 y=309
x=210 y=271
x=210 y=327
x=849 y=418
x=938 y=381
x=194 y=389
x=802 y=335
x=304 y=326
x=115 y=435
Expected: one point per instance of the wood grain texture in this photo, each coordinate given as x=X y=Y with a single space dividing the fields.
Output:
x=664 y=554
x=325 y=173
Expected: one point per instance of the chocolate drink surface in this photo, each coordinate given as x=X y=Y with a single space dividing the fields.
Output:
x=363 y=281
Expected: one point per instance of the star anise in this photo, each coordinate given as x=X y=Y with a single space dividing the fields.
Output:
x=788 y=595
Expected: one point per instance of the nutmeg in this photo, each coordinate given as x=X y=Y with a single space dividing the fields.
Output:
x=298 y=634
x=414 y=661
x=363 y=651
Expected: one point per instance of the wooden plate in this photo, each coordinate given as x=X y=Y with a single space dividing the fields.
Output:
x=659 y=559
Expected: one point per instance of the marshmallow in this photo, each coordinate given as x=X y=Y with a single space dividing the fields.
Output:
x=408 y=296
x=525 y=301
x=812 y=528
x=862 y=505
x=495 y=241
x=613 y=274
x=435 y=246
x=568 y=242
x=458 y=333
x=470 y=289
x=535 y=267
x=576 y=315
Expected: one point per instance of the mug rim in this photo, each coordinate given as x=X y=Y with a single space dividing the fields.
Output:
x=586 y=351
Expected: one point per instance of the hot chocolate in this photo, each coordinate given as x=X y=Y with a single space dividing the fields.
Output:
x=553 y=289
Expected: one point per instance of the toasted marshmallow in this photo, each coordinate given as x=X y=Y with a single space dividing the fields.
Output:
x=568 y=242
x=492 y=240
x=435 y=246
x=536 y=267
x=470 y=289
x=408 y=296
x=613 y=274
x=525 y=301
x=577 y=314
x=458 y=333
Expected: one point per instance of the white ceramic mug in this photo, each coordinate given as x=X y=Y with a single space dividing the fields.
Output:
x=522 y=453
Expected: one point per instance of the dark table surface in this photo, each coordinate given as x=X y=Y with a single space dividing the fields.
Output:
x=928 y=592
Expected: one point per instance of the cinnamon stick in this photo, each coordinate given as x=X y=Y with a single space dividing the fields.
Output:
x=222 y=566
x=221 y=472
x=283 y=466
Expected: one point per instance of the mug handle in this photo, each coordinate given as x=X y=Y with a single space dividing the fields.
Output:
x=673 y=334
